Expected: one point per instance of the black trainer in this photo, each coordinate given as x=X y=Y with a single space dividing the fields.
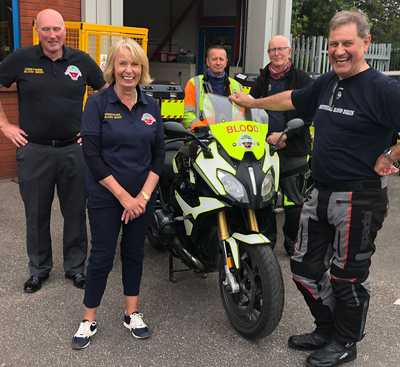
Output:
x=310 y=341
x=86 y=330
x=332 y=355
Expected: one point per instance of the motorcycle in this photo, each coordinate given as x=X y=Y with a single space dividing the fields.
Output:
x=209 y=212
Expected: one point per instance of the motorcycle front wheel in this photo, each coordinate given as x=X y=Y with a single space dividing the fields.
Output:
x=255 y=311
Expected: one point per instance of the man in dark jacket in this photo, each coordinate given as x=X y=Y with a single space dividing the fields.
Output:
x=293 y=148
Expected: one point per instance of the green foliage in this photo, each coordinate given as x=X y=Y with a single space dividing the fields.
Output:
x=311 y=17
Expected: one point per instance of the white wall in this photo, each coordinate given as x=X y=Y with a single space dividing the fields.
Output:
x=265 y=19
x=102 y=11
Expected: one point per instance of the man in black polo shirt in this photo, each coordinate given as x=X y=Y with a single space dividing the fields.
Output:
x=355 y=111
x=51 y=81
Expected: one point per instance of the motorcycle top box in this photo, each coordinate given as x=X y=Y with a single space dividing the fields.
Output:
x=218 y=181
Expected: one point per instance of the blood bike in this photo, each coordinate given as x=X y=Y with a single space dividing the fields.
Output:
x=216 y=184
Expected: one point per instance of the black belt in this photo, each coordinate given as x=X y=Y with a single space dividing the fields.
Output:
x=363 y=185
x=54 y=143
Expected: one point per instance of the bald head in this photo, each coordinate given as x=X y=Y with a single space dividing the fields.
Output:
x=49 y=15
x=279 y=51
x=51 y=31
x=279 y=39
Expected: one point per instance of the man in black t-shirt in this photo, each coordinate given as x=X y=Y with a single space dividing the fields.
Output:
x=51 y=81
x=355 y=111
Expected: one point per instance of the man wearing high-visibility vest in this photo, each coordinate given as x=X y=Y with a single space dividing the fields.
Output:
x=214 y=80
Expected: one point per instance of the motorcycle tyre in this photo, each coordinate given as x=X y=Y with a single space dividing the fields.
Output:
x=270 y=277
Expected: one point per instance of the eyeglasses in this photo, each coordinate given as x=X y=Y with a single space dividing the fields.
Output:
x=277 y=49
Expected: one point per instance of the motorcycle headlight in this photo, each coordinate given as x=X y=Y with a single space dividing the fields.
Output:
x=267 y=187
x=233 y=186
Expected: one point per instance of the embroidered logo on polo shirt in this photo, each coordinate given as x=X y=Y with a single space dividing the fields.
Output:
x=73 y=72
x=33 y=71
x=148 y=119
x=112 y=116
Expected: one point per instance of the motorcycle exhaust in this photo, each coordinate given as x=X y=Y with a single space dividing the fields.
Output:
x=186 y=256
x=165 y=225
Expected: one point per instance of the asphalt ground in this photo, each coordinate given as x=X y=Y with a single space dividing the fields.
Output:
x=189 y=324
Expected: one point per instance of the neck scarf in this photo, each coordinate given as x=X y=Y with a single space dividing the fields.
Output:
x=279 y=74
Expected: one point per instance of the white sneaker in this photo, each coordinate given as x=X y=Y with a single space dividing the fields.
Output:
x=86 y=330
x=137 y=326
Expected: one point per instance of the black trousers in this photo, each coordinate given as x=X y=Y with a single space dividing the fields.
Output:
x=332 y=257
x=292 y=184
x=105 y=226
x=293 y=188
x=41 y=169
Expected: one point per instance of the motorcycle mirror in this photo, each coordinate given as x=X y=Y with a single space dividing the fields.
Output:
x=294 y=124
x=291 y=125
x=175 y=128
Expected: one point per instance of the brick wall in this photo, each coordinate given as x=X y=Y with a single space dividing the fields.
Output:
x=71 y=11
x=8 y=98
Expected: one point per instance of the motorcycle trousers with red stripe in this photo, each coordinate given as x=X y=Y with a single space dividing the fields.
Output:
x=332 y=257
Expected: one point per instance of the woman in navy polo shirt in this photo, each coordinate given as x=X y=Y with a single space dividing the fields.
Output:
x=124 y=150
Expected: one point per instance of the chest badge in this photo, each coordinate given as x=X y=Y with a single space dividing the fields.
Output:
x=73 y=72
x=339 y=93
x=148 y=119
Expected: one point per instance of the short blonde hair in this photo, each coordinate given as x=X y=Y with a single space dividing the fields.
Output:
x=138 y=56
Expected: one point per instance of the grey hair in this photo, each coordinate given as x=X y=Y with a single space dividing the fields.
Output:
x=357 y=17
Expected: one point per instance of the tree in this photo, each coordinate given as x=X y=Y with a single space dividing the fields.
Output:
x=311 y=17
x=384 y=17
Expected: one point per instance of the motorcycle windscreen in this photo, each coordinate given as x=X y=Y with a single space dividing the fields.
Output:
x=238 y=130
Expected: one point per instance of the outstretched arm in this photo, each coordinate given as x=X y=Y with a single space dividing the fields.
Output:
x=277 y=102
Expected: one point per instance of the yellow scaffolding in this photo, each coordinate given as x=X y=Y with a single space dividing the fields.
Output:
x=97 y=39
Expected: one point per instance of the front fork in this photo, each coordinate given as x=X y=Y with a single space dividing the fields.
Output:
x=223 y=236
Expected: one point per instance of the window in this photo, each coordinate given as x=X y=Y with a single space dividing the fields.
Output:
x=6 y=28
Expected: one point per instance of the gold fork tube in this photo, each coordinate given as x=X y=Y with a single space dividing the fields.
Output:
x=223 y=232
x=251 y=216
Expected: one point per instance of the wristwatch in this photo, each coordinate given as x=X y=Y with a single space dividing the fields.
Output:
x=145 y=195
x=386 y=153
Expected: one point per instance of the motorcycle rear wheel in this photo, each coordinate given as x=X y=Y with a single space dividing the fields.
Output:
x=255 y=311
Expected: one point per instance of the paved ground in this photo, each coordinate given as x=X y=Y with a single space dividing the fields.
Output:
x=190 y=327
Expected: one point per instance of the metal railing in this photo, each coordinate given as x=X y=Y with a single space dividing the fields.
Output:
x=311 y=54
